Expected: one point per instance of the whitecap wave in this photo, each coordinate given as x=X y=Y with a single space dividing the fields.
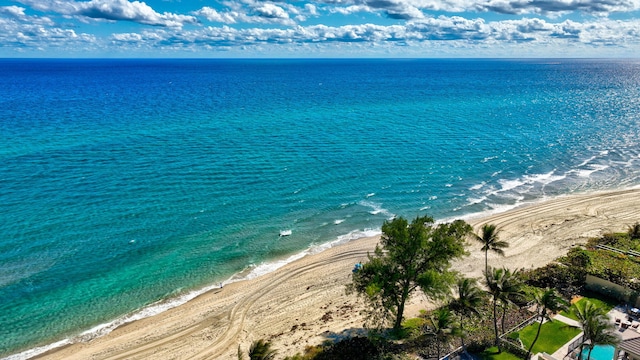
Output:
x=375 y=208
x=473 y=201
x=544 y=179
x=592 y=168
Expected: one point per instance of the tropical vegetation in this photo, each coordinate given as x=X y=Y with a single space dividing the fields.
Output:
x=467 y=303
x=596 y=326
x=416 y=257
x=411 y=256
x=259 y=350
x=490 y=242
x=504 y=287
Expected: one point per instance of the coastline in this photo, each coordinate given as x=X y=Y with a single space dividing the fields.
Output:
x=303 y=302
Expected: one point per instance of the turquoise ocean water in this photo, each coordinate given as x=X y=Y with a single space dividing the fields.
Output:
x=129 y=186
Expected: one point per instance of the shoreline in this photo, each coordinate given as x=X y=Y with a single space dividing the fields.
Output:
x=294 y=307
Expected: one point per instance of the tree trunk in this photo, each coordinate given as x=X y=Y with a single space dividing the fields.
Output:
x=495 y=323
x=589 y=355
x=398 y=323
x=486 y=263
x=461 y=332
x=504 y=315
x=534 y=340
x=405 y=294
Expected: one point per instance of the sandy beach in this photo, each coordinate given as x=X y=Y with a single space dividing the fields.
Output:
x=304 y=303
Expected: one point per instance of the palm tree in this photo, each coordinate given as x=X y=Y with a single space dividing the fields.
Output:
x=512 y=292
x=442 y=327
x=601 y=333
x=634 y=231
x=489 y=240
x=469 y=299
x=548 y=301
x=597 y=328
x=502 y=285
x=261 y=350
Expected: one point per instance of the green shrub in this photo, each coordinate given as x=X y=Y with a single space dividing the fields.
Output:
x=411 y=327
x=568 y=280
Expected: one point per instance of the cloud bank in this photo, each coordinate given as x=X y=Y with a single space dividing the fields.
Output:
x=326 y=27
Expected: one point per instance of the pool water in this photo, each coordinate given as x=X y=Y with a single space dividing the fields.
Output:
x=599 y=352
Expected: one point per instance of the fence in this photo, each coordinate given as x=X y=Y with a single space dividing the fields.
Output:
x=459 y=353
x=610 y=289
x=574 y=345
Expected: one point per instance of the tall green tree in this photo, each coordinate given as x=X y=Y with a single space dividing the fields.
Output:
x=547 y=302
x=261 y=350
x=490 y=241
x=601 y=333
x=597 y=328
x=502 y=285
x=410 y=256
x=469 y=297
x=513 y=293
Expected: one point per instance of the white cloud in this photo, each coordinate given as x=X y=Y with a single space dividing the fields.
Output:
x=13 y=10
x=311 y=9
x=135 y=11
x=262 y=13
x=348 y=10
x=17 y=13
x=213 y=15
x=22 y=35
x=271 y=11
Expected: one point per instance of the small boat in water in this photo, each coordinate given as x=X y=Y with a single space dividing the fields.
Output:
x=285 y=232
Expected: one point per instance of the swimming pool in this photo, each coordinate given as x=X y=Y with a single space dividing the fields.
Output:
x=599 y=352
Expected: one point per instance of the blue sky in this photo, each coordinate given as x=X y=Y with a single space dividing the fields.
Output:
x=320 y=28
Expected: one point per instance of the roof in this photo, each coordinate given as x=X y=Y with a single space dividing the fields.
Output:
x=631 y=346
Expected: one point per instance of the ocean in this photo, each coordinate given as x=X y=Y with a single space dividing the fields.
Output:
x=130 y=186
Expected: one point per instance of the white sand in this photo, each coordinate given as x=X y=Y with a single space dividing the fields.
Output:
x=304 y=303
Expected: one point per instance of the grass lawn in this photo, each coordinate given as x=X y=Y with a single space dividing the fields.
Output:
x=605 y=304
x=553 y=335
x=492 y=354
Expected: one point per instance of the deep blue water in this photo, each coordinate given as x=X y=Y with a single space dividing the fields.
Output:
x=126 y=182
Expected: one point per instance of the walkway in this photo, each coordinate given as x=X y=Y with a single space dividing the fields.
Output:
x=564 y=349
x=566 y=320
